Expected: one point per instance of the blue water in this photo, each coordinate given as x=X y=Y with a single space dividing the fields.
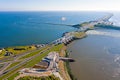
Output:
x=26 y=28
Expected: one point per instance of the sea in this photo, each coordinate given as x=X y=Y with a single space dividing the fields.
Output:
x=97 y=57
x=27 y=28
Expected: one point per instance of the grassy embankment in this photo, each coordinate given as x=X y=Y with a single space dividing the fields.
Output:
x=26 y=56
x=84 y=24
x=12 y=74
x=79 y=35
x=87 y=24
x=52 y=77
x=13 y=64
x=1 y=65
x=16 y=50
x=62 y=67
x=69 y=69
x=34 y=53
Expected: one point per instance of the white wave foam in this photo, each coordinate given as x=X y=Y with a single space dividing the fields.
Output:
x=116 y=72
x=111 y=33
x=117 y=58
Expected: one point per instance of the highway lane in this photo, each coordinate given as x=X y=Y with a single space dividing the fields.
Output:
x=6 y=64
x=24 y=61
x=4 y=67
x=14 y=57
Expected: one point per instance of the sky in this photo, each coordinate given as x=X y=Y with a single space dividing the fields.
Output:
x=59 y=5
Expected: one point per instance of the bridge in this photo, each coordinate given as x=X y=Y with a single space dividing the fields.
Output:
x=105 y=18
x=64 y=39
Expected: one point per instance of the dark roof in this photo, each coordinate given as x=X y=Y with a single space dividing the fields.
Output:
x=44 y=63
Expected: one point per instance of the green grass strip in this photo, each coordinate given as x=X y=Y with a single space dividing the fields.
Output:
x=33 y=53
x=31 y=63
x=13 y=64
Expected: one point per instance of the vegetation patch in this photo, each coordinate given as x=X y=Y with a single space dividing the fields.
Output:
x=20 y=49
x=69 y=69
x=13 y=64
x=52 y=77
x=33 y=53
x=1 y=65
x=12 y=74
x=2 y=54
x=79 y=34
x=37 y=59
x=6 y=52
x=84 y=24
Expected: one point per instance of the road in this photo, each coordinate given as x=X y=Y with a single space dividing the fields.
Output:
x=17 y=56
x=24 y=61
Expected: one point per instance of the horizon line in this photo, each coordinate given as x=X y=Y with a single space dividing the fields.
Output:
x=59 y=10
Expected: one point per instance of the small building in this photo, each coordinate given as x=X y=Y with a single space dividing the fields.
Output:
x=41 y=65
x=39 y=45
x=8 y=53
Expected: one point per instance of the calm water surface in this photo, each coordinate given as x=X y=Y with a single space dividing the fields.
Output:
x=97 y=58
x=24 y=28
